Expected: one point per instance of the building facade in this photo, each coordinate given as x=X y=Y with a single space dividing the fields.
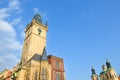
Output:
x=35 y=64
x=108 y=73
x=57 y=68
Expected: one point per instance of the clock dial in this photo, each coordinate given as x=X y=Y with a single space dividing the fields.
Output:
x=39 y=31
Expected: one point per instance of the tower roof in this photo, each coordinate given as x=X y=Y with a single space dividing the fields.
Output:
x=93 y=71
x=38 y=18
x=104 y=70
x=108 y=64
x=44 y=54
x=104 y=67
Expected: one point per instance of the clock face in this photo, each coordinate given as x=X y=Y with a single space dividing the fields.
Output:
x=39 y=31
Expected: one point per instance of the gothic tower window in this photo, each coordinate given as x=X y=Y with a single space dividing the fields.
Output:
x=36 y=75
x=26 y=47
x=103 y=78
x=115 y=75
x=28 y=75
x=107 y=76
x=110 y=76
x=44 y=74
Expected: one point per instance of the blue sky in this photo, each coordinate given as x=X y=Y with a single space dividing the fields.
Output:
x=83 y=32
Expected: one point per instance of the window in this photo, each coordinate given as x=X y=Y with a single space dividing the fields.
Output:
x=110 y=76
x=57 y=76
x=107 y=76
x=44 y=74
x=57 y=65
x=36 y=74
x=115 y=75
x=28 y=75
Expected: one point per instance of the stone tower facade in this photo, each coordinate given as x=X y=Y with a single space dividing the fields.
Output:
x=108 y=72
x=34 y=61
x=35 y=39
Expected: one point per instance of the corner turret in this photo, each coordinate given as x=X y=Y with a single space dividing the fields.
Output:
x=94 y=76
x=108 y=64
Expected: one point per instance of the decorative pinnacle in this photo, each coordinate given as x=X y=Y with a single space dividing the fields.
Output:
x=108 y=64
x=92 y=67
x=46 y=24
x=107 y=61
x=103 y=67
x=93 y=70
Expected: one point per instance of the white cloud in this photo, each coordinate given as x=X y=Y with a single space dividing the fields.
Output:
x=15 y=21
x=5 y=26
x=11 y=57
x=8 y=61
x=9 y=45
x=36 y=10
x=3 y=13
x=2 y=60
x=23 y=34
x=12 y=5
x=7 y=32
x=8 y=38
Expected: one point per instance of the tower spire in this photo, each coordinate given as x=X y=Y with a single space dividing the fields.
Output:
x=108 y=64
x=93 y=70
x=44 y=54
x=94 y=76
x=37 y=17
x=104 y=67
x=46 y=24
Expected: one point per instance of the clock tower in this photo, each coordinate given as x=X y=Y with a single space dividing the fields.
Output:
x=35 y=39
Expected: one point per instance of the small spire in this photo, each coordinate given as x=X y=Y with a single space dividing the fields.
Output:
x=44 y=54
x=104 y=67
x=108 y=64
x=46 y=24
x=93 y=70
x=107 y=61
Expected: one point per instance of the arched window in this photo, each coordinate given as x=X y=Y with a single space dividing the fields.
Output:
x=36 y=75
x=110 y=76
x=27 y=75
x=44 y=74
x=115 y=75
x=107 y=76
x=57 y=65
x=57 y=76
